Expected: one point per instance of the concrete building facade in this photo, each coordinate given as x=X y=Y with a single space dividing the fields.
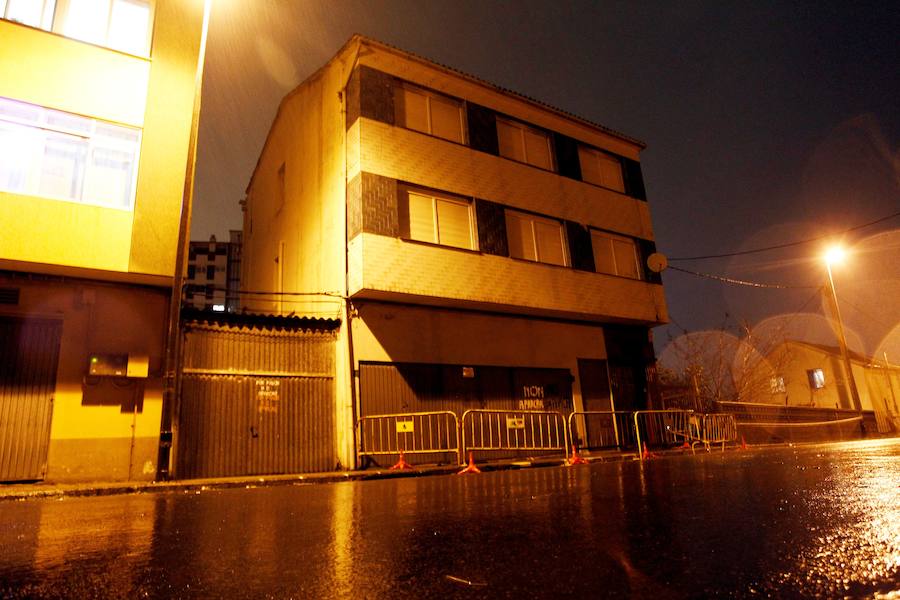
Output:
x=95 y=118
x=492 y=250
x=213 y=277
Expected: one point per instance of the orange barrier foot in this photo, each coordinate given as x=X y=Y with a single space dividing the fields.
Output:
x=685 y=445
x=743 y=444
x=471 y=468
x=575 y=460
x=401 y=464
x=647 y=455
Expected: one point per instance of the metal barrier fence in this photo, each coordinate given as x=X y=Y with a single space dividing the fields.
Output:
x=529 y=430
x=596 y=430
x=714 y=429
x=515 y=431
x=434 y=432
x=657 y=428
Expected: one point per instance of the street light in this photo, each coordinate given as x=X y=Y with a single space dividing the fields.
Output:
x=171 y=384
x=836 y=255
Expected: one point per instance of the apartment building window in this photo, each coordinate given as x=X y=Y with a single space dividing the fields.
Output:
x=429 y=113
x=816 y=378
x=59 y=155
x=118 y=24
x=615 y=254
x=438 y=219
x=524 y=144
x=191 y=271
x=36 y=13
x=535 y=238
x=601 y=169
x=210 y=271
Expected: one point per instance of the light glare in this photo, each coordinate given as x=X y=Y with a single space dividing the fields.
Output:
x=835 y=255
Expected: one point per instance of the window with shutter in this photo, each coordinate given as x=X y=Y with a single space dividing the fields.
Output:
x=601 y=169
x=615 y=255
x=535 y=238
x=436 y=219
x=524 y=144
x=428 y=112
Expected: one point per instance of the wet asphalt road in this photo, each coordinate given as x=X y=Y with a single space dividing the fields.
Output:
x=810 y=521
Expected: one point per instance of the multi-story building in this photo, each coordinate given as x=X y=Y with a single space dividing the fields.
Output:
x=492 y=249
x=96 y=103
x=213 y=277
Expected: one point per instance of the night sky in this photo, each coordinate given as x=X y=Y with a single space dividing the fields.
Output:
x=765 y=124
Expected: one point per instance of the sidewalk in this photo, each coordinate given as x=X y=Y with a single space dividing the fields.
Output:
x=25 y=491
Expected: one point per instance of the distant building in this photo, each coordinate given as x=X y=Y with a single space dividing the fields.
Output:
x=96 y=104
x=213 y=276
x=492 y=249
x=806 y=374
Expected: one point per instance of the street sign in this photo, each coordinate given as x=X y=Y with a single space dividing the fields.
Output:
x=405 y=426
x=515 y=422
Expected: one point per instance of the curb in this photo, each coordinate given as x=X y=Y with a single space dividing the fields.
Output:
x=28 y=491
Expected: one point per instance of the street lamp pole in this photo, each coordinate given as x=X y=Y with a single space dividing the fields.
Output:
x=830 y=257
x=171 y=389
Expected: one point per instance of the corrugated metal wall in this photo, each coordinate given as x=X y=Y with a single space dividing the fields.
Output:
x=389 y=388
x=256 y=401
x=29 y=355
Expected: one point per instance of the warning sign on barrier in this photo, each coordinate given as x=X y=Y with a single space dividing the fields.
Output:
x=515 y=422
x=405 y=426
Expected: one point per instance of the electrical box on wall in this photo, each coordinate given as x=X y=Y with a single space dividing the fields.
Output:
x=119 y=365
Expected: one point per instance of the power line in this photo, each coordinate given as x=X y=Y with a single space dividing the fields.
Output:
x=733 y=281
x=788 y=244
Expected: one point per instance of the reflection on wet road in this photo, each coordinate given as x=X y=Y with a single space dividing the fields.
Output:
x=786 y=522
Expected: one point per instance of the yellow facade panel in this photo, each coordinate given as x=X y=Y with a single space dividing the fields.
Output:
x=482 y=93
x=64 y=233
x=424 y=160
x=167 y=126
x=394 y=268
x=56 y=72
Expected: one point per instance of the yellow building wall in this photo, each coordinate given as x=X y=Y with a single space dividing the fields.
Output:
x=295 y=240
x=164 y=148
x=91 y=439
x=64 y=233
x=452 y=83
x=401 y=154
x=305 y=232
x=154 y=94
x=57 y=72
x=390 y=268
x=100 y=433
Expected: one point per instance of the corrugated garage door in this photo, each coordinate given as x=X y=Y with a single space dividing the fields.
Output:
x=256 y=401
x=29 y=355
x=390 y=388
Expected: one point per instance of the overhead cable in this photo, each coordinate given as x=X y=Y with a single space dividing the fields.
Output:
x=755 y=284
x=788 y=244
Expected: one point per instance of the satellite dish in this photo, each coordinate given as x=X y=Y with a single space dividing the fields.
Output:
x=657 y=262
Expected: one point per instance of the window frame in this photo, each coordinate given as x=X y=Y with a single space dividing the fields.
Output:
x=436 y=197
x=54 y=15
x=598 y=152
x=523 y=127
x=401 y=121
x=88 y=134
x=816 y=378
x=611 y=237
x=546 y=220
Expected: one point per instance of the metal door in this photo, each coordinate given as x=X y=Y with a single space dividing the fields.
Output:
x=29 y=355
x=256 y=402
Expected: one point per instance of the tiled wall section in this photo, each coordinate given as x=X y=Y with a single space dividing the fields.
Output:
x=410 y=156
x=382 y=267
